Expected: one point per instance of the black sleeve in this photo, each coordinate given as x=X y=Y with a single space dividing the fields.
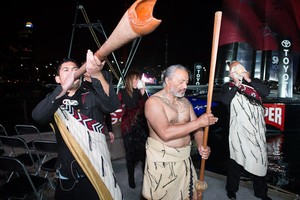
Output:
x=108 y=123
x=227 y=93
x=109 y=103
x=44 y=111
x=262 y=89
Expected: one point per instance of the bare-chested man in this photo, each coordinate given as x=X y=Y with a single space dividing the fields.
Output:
x=169 y=171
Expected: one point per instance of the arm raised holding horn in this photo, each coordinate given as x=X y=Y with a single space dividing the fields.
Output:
x=136 y=22
x=75 y=110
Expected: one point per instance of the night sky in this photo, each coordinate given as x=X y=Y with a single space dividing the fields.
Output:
x=187 y=24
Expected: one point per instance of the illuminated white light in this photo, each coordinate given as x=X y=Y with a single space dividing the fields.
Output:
x=29 y=25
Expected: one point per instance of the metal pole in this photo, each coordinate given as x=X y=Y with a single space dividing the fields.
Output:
x=73 y=31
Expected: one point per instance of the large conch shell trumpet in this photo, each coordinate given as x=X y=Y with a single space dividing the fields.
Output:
x=137 y=21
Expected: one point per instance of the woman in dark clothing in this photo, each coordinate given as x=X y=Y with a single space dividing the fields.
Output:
x=134 y=126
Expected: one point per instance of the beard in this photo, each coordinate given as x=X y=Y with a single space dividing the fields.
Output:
x=179 y=93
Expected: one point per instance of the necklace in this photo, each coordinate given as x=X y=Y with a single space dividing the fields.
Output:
x=177 y=105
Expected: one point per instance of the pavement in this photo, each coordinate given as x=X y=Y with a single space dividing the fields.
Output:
x=214 y=191
x=215 y=182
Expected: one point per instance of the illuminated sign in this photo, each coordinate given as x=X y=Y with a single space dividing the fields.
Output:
x=197 y=74
x=29 y=25
x=275 y=114
x=116 y=116
x=285 y=73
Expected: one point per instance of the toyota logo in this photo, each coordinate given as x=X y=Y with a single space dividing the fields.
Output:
x=286 y=43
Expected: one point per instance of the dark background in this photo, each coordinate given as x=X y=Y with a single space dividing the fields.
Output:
x=187 y=24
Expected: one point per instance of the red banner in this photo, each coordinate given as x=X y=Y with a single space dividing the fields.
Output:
x=260 y=23
x=116 y=116
x=241 y=24
x=279 y=17
x=275 y=114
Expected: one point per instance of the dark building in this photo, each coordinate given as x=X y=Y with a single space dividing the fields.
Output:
x=17 y=57
x=26 y=70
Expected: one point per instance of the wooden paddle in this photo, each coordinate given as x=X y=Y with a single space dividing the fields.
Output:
x=201 y=184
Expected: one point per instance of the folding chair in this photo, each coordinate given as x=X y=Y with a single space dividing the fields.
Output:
x=20 y=150
x=2 y=151
x=48 y=150
x=21 y=185
x=29 y=133
x=2 y=132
